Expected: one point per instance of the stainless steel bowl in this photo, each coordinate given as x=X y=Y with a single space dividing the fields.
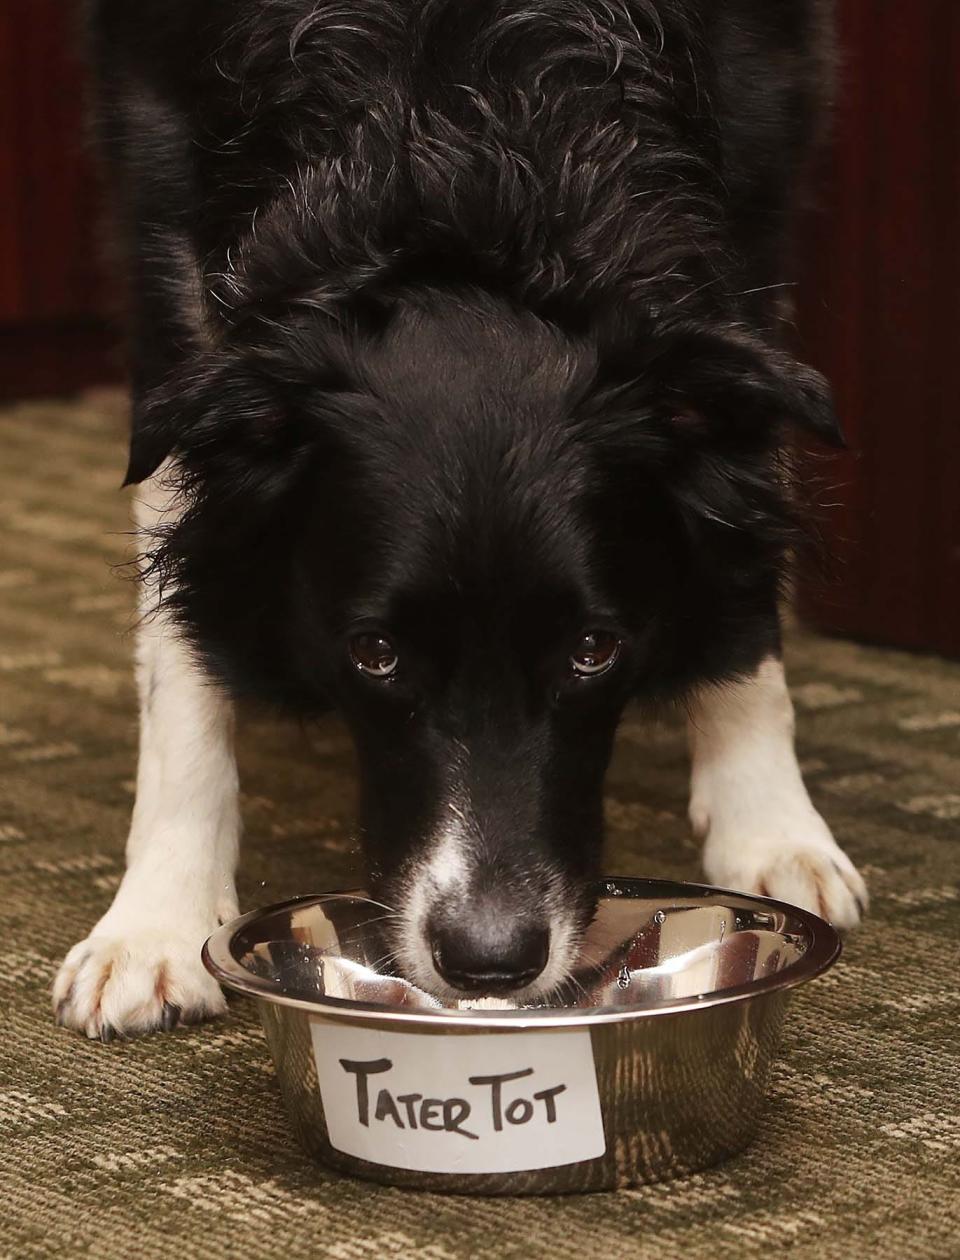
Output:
x=652 y=1063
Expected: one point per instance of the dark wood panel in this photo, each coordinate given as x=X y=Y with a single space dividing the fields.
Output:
x=51 y=265
x=53 y=357
x=944 y=514
x=880 y=312
x=56 y=334
x=10 y=206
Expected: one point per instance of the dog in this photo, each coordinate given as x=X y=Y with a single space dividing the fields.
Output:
x=460 y=399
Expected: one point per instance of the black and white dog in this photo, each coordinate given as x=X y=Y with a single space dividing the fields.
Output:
x=458 y=407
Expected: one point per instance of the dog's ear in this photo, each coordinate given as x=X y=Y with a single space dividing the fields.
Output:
x=149 y=447
x=248 y=400
x=216 y=403
x=731 y=377
x=167 y=417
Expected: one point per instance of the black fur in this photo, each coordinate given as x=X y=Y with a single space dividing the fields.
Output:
x=481 y=347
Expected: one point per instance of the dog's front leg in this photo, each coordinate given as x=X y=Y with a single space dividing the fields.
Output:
x=140 y=969
x=761 y=831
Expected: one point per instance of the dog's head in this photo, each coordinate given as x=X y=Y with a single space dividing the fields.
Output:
x=478 y=537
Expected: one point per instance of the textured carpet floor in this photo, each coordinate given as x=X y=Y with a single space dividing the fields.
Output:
x=176 y=1146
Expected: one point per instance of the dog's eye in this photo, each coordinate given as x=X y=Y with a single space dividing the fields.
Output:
x=374 y=655
x=595 y=653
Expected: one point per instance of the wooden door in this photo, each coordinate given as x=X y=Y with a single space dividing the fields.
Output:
x=54 y=304
x=880 y=313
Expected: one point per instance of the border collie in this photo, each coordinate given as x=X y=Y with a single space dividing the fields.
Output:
x=459 y=397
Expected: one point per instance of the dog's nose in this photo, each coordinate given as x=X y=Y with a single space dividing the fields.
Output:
x=489 y=956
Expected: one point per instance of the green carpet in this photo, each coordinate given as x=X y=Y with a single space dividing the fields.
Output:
x=176 y=1146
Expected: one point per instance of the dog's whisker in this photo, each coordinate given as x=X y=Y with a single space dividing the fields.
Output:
x=382 y=904
x=381 y=918
x=385 y=960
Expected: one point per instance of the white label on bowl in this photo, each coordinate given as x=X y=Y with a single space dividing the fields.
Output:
x=464 y=1103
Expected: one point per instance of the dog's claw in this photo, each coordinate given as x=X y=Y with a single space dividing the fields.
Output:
x=170 y=1016
x=107 y=1033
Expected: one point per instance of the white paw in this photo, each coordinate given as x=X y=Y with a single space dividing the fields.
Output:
x=117 y=984
x=795 y=860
